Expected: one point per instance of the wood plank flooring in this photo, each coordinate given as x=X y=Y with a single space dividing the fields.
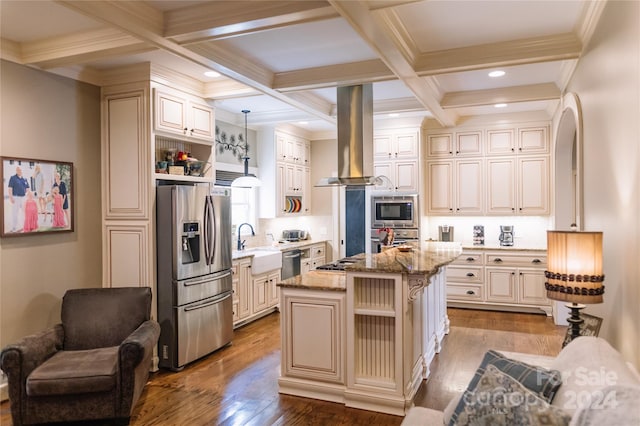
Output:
x=237 y=385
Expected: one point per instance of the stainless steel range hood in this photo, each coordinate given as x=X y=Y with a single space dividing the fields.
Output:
x=355 y=138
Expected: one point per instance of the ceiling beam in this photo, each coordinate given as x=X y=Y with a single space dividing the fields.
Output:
x=130 y=17
x=223 y=19
x=78 y=48
x=515 y=52
x=383 y=40
x=333 y=75
x=534 y=92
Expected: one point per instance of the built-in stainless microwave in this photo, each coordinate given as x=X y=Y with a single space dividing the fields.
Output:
x=394 y=211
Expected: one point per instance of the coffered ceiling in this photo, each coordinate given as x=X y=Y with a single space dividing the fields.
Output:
x=283 y=59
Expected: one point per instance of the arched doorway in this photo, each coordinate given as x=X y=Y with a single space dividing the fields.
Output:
x=568 y=165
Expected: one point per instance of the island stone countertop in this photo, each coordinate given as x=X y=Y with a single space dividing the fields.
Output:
x=425 y=261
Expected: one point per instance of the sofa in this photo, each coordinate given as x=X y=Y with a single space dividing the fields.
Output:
x=588 y=383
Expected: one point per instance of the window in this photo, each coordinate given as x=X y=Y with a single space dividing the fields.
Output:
x=243 y=208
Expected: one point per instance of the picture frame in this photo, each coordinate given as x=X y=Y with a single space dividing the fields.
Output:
x=37 y=197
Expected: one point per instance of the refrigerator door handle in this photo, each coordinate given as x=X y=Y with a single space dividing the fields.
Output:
x=207 y=230
x=206 y=279
x=208 y=303
x=212 y=236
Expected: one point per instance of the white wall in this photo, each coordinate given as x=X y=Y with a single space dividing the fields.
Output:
x=607 y=81
x=48 y=117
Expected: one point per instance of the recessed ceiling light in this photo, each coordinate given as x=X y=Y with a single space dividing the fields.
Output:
x=394 y=114
x=304 y=123
x=212 y=74
x=500 y=105
x=496 y=73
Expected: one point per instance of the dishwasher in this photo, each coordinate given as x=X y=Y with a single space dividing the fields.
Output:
x=291 y=263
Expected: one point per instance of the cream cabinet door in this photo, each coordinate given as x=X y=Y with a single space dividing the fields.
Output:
x=244 y=294
x=260 y=289
x=469 y=143
x=501 y=285
x=272 y=288
x=469 y=187
x=533 y=140
x=501 y=142
x=385 y=168
x=306 y=190
x=533 y=190
x=440 y=145
x=501 y=186
x=406 y=144
x=171 y=115
x=440 y=184
x=382 y=146
x=200 y=121
x=531 y=287
x=406 y=175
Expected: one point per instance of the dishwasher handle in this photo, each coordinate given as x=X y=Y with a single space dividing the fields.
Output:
x=292 y=254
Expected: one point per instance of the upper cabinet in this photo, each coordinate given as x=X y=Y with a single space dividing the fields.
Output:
x=454 y=144
x=285 y=174
x=510 y=174
x=182 y=115
x=396 y=155
x=532 y=139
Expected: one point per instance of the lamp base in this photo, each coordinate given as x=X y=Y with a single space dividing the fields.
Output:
x=574 y=320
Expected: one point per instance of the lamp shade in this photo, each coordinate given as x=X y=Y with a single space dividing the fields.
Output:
x=574 y=262
x=246 y=181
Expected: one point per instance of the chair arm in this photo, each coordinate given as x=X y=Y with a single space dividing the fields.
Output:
x=139 y=344
x=18 y=360
x=31 y=351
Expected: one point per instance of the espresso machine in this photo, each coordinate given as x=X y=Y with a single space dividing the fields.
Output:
x=506 y=235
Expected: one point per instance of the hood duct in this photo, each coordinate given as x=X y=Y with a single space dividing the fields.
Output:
x=355 y=138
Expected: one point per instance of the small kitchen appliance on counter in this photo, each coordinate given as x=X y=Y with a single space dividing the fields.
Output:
x=506 y=235
x=445 y=233
x=294 y=235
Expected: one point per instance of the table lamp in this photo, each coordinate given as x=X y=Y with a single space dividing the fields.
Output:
x=574 y=275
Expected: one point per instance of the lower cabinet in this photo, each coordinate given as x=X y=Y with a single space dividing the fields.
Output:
x=312 y=333
x=313 y=257
x=253 y=295
x=500 y=279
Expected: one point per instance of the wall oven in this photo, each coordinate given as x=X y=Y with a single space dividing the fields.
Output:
x=394 y=211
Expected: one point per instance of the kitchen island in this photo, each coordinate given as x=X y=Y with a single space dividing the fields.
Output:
x=365 y=337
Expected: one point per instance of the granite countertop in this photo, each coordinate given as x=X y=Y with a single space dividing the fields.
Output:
x=425 y=261
x=249 y=251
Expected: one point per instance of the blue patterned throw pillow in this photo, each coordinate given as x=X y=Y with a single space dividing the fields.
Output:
x=540 y=381
x=499 y=399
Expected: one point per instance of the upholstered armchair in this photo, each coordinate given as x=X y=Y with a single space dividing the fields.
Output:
x=93 y=365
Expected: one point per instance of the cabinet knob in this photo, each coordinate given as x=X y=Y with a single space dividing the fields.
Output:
x=450 y=152
x=470 y=292
x=497 y=260
x=513 y=209
x=520 y=149
x=512 y=150
x=471 y=274
x=470 y=259
x=520 y=208
x=536 y=261
x=457 y=152
x=513 y=273
x=450 y=210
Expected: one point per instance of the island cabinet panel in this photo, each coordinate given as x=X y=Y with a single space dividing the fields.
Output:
x=313 y=334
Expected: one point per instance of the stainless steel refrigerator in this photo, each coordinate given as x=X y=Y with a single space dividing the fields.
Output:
x=194 y=293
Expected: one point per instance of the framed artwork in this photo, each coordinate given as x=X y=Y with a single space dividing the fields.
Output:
x=37 y=197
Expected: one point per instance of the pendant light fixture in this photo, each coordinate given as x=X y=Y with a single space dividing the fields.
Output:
x=247 y=180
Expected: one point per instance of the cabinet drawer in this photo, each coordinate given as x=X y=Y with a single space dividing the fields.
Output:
x=468 y=259
x=459 y=274
x=317 y=251
x=464 y=292
x=530 y=260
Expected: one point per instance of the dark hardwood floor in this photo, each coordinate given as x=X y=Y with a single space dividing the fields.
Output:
x=237 y=385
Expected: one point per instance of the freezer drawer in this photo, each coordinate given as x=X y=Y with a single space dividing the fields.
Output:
x=203 y=327
x=195 y=289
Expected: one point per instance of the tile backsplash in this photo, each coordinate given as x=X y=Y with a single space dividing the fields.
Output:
x=529 y=231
